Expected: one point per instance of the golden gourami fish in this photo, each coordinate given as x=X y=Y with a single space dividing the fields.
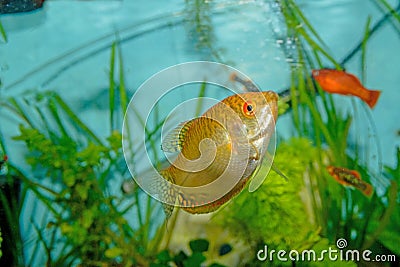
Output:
x=351 y=178
x=341 y=82
x=224 y=146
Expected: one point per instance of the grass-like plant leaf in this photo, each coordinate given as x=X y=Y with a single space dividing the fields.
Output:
x=3 y=33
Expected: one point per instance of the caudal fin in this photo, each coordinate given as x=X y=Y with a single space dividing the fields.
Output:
x=373 y=98
x=368 y=190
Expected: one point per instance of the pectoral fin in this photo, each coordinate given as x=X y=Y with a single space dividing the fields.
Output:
x=262 y=171
x=278 y=171
x=174 y=140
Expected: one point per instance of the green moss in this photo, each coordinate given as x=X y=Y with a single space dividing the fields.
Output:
x=88 y=217
x=281 y=218
x=276 y=214
x=386 y=227
x=196 y=259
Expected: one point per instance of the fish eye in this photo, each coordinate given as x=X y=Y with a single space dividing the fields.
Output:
x=249 y=108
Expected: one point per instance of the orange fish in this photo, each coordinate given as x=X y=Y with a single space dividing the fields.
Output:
x=350 y=178
x=235 y=148
x=341 y=82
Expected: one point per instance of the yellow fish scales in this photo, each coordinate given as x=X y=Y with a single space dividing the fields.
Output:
x=228 y=143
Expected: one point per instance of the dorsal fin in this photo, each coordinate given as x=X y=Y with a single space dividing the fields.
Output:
x=174 y=140
x=356 y=174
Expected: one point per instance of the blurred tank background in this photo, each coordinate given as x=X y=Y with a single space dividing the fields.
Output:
x=69 y=68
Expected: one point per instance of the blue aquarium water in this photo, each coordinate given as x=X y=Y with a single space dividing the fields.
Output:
x=51 y=49
x=65 y=47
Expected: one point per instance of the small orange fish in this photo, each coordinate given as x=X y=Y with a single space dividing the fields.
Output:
x=350 y=178
x=341 y=82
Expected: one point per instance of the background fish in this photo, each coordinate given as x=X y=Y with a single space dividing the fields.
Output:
x=248 y=85
x=242 y=122
x=341 y=82
x=350 y=178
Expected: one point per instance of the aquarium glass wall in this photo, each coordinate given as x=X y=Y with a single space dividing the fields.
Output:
x=100 y=100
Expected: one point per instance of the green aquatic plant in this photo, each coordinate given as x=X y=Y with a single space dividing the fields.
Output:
x=3 y=33
x=198 y=20
x=72 y=170
x=276 y=203
x=388 y=233
x=91 y=221
x=12 y=197
x=278 y=214
x=67 y=154
x=198 y=248
x=340 y=212
x=391 y=10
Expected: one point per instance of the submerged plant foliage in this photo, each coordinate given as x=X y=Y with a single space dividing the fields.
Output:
x=336 y=212
x=281 y=217
x=200 y=27
x=72 y=169
x=79 y=208
x=198 y=247
x=3 y=33
x=278 y=214
x=388 y=233
x=1 y=240
x=87 y=223
x=339 y=211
